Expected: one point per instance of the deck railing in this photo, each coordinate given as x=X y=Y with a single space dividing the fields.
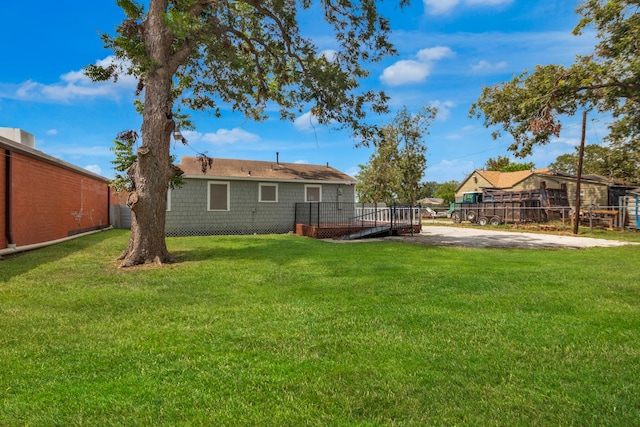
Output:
x=341 y=214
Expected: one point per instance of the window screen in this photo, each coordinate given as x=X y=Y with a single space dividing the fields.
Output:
x=312 y=193
x=218 y=197
x=268 y=193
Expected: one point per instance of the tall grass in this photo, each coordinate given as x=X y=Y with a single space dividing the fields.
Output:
x=284 y=330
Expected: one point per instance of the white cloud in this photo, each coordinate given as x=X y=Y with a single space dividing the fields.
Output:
x=307 y=121
x=488 y=67
x=444 y=109
x=52 y=132
x=414 y=71
x=329 y=54
x=94 y=168
x=573 y=142
x=442 y=7
x=405 y=72
x=462 y=133
x=434 y=53
x=488 y=2
x=353 y=171
x=77 y=152
x=72 y=85
x=439 y=7
x=222 y=136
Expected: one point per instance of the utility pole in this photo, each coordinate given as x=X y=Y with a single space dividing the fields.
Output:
x=576 y=221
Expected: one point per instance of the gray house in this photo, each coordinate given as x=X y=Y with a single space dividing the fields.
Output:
x=247 y=196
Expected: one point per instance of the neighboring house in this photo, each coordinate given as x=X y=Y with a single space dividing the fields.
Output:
x=43 y=199
x=249 y=197
x=595 y=189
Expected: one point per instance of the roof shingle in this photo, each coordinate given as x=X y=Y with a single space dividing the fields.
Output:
x=509 y=179
x=272 y=171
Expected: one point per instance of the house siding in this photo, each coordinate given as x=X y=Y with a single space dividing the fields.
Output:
x=50 y=202
x=246 y=215
x=592 y=193
x=475 y=182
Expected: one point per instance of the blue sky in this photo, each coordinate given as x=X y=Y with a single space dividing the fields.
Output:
x=447 y=51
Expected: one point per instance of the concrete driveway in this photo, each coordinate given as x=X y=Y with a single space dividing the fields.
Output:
x=476 y=237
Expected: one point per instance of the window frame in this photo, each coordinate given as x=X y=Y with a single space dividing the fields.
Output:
x=267 y=184
x=306 y=193
x=225 y=183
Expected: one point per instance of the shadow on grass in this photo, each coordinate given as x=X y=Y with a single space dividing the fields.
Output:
x=16 y=264
x=282 y=249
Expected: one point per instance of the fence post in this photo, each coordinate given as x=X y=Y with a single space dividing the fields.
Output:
x=375 y=214
x=411 y=214
x=362 y=214
x=393 y=214
x=622 y=203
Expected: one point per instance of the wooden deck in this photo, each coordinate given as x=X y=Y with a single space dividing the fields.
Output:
x=336 y=231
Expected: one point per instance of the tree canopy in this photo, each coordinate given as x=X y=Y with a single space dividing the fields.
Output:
x=244 y=55
x=529 y=107
x=395 y=169
x=504 y=164
x=447 y=191
x=599 y=160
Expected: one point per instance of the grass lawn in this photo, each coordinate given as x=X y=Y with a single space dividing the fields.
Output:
x=286 y=330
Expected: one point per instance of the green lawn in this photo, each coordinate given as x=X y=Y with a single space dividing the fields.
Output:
x=286 y=330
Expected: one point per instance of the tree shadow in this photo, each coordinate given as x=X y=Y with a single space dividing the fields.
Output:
x=13 y=265
x=277 y=251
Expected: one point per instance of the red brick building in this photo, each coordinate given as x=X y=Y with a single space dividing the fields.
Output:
x=43 y=199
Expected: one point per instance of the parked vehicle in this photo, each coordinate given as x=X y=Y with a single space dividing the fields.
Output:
x=495 y=207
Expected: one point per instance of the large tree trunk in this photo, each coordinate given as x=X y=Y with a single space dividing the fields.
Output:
x=151 y=173
x=150 y=176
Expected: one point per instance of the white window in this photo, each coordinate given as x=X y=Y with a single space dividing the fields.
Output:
x=312 y=193
x=218 y=196
x=268 y=192
x=169 y=199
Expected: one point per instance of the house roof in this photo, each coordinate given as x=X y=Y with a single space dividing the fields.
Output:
x=504 y=180
x=261 y=170
x=610 y=181
x=509 y=179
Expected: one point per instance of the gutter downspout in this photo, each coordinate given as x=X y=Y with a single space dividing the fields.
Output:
x=8 y=202
x=109 y=204
x=15 y=249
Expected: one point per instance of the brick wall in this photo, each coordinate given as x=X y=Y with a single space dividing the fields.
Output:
x=3 y=229
x=51 y=202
